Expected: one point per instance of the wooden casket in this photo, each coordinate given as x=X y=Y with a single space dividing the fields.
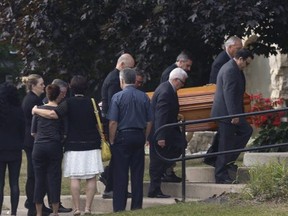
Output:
x=196 y=102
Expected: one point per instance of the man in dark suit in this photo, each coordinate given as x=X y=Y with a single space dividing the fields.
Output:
x=232 y=45
x=228 y=100
x=169 y=142
x=183 y=60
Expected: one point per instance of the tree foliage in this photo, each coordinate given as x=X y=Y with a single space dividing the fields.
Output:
x=60 y=38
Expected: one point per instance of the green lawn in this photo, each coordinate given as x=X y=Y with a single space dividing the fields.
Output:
x=204 y=209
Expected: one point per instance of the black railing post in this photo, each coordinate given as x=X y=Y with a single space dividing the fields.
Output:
x=184 y=164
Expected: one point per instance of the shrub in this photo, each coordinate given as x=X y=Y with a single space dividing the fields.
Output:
x=268 y=182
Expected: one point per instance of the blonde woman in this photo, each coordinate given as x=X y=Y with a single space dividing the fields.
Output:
x=35 y=88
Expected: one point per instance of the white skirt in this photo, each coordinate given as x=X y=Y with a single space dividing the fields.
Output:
x=82 y=164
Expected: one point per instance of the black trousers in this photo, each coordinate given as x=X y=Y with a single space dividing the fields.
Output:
x=231 y=137
x=158 y=167
x=108 y=175
x=47 y=158
x=30 y=182
x=14 y=172
x=128 y=153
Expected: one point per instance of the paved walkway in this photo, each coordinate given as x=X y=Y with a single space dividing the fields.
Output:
x=99 y=205
x=22 y=211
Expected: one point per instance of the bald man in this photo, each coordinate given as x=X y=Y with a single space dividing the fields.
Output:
x=111 y=85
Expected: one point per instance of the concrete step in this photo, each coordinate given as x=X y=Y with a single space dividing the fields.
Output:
x=261 y=158
x=199 y=185
x=197 y=191
x=206 y=174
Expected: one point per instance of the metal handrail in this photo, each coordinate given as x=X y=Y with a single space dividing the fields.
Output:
x=183 y=157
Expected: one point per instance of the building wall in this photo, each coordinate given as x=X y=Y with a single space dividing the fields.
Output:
x=268 y=76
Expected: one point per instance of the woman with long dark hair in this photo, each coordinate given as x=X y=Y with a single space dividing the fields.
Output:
x=12 y=130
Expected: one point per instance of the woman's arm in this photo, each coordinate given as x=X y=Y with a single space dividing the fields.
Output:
x=50 y=114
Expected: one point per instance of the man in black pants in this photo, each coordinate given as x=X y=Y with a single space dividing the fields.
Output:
x=168 y=142
x=231 y=46
x=111 y=85
x=228 y=100
x=183 y=61
x=129 y=126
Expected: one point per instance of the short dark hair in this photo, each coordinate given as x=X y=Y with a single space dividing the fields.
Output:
x=128 y=75
x=184 y=56
x=140 y=73
x=52 y=92
x=244 y=53
x=78 y=84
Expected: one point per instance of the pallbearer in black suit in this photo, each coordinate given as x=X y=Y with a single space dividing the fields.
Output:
x=231 y=45
x=228 y=100
x=169 y=142
x=183 y=61
x=129 y=126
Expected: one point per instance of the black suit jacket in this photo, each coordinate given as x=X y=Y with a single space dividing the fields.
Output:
x=228 y=98
x=220 y=60
x=111 y=85
x=165 y=109
x=166 y=73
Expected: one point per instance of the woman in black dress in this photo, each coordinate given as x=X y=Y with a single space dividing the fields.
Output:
x=12 y=130
x=47 y=153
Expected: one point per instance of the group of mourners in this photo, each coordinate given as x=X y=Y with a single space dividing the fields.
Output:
x=60 y=131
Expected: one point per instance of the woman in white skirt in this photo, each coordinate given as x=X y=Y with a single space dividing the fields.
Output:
x=82 y=157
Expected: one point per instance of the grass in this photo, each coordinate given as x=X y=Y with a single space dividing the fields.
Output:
x=204 y=209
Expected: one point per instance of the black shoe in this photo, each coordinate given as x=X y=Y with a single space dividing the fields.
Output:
x=62 y=209
x=171 y=178
x=158 y=195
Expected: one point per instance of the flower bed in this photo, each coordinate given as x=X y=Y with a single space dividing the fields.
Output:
x=273 y=127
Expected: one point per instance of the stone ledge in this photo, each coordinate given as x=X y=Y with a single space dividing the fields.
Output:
x=261 y=158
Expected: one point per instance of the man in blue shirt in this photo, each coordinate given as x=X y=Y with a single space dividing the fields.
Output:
x=129 y=126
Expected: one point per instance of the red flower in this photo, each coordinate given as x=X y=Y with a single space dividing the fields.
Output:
x=259 y=104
